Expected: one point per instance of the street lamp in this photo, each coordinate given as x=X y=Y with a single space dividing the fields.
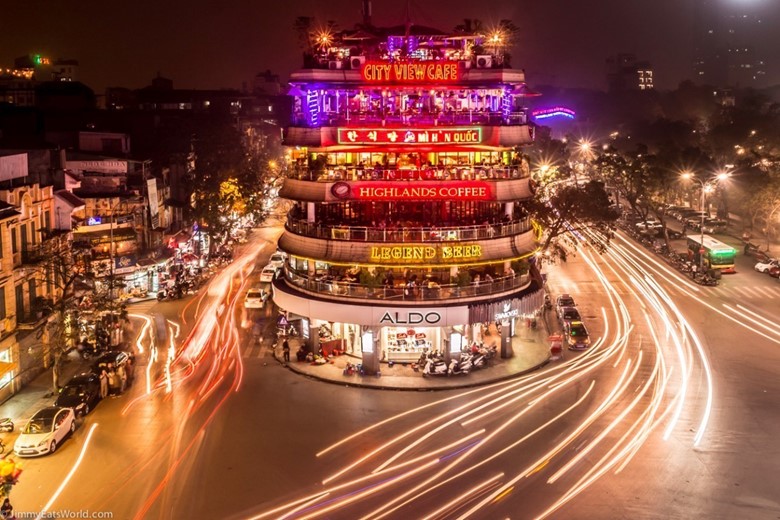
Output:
x=707 y=186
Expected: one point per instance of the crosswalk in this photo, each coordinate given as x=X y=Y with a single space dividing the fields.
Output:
x=732 y=289
x=253 y=351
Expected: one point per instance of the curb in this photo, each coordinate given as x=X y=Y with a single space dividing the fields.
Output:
x=291 y=368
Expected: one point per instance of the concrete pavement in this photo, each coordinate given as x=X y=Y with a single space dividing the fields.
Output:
x=530 y=346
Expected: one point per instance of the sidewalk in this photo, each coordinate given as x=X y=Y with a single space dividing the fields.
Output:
x=530 y=346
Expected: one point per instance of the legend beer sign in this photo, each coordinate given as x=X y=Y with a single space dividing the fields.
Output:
x=411 y=136
x=422 y=254
x=415 y=72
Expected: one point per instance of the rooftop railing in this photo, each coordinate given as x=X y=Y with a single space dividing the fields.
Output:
x=454 y=118
x=407 y=233
x=426 y=291
x=434 y=173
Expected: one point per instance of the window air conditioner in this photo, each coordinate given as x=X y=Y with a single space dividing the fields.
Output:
x=484 y=62
x=334 y=65
x=357 y=61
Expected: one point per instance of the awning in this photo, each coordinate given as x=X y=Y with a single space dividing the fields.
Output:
x=104 y=237
x=6 y=368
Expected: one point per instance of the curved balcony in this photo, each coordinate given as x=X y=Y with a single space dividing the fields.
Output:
x=451 y=118
x=505 y=189
x=434 y=173
x=331 y=288
x=444 y=253
x=407 y=234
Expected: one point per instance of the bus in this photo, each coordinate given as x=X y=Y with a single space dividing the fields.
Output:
x=717 y=255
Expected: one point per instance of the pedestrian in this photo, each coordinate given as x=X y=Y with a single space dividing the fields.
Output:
x=103 y=384
x=6 y=510
x=113 y=380
x=286 y=351
x=122 y=375
x=129 y=368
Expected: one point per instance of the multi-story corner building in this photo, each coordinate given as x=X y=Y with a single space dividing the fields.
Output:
x=408 y=231
x=27 y=227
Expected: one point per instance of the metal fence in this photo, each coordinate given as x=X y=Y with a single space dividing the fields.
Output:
x=424 y=292
x=407 y=234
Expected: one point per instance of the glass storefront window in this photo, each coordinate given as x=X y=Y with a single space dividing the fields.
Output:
x=5 y=356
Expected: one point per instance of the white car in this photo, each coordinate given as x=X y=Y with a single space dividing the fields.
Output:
x=766 y=265
x=255 y=298
x=277 y=260
x=268 y=274
x=45 y=431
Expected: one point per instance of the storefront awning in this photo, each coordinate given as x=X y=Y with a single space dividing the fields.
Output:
x=97 y=238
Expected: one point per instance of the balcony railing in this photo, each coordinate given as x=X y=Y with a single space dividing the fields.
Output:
x=436 y=173
x=461 y=117
x=407 y=234
x=342 y=289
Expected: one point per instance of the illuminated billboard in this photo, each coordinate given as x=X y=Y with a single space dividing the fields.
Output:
x=421 y=136
x=414 y=72
x=418 y=190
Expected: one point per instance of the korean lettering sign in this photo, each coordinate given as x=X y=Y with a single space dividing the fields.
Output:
x=413 y=136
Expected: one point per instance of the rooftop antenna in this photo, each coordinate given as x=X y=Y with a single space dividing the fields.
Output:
x=367 y=13
x=408 y=17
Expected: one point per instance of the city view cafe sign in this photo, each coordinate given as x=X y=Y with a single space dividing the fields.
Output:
x=411 y=72
x=411 y=191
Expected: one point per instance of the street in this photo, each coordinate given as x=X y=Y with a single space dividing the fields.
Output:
x=669 y=414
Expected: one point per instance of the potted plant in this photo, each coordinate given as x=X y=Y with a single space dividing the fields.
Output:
x=370 y=279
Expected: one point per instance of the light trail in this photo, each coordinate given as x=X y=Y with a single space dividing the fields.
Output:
x=44 y=512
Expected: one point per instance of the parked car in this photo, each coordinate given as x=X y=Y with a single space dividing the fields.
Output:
x=256 y=298
x=648 y=224
x=45 y=431
x=576 y=335
x=714 y=225
x=570 y=314
x=765 y=266
x=117 y=357
x=268 y=274
x=277 y=260
x=564 y=300
x=81 y=393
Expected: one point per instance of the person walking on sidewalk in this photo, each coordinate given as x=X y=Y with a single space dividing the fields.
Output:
x=286 y=351
x=122 y=375
x=103 y=384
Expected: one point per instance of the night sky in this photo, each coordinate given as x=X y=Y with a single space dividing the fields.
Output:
x=223 y=43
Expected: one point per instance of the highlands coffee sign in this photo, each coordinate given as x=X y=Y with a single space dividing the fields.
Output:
x=411 y=191
x=411 y=136
x=417 y=72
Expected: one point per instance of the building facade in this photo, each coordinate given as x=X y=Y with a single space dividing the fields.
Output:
x=408 y=232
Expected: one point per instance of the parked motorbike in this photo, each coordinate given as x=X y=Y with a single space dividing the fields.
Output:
x=435 y=367
x=6 y=425
x=86 y=351
x=460 y=366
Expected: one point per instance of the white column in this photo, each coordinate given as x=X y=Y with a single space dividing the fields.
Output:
x=310 y=213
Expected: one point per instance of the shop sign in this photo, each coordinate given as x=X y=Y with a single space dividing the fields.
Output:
x=412 y=136
x=418 y=254
x=410 y=318
x=507 y=313
x=418 y=190
x=94 y=221
x=416 y=72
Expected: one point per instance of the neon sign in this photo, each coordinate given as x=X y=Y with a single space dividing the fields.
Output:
x=419 y=72
x=422 y=136
x=406 y=253
x=418 y=190
x=94 y=221
x=546 y=113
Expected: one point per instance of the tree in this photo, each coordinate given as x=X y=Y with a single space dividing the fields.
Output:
x=563 y=209
x=59 y=268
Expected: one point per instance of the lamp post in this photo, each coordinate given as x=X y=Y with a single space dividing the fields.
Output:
x=706 y=187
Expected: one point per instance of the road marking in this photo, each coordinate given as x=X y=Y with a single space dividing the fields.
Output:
x=765 y=291
x=248 y=352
